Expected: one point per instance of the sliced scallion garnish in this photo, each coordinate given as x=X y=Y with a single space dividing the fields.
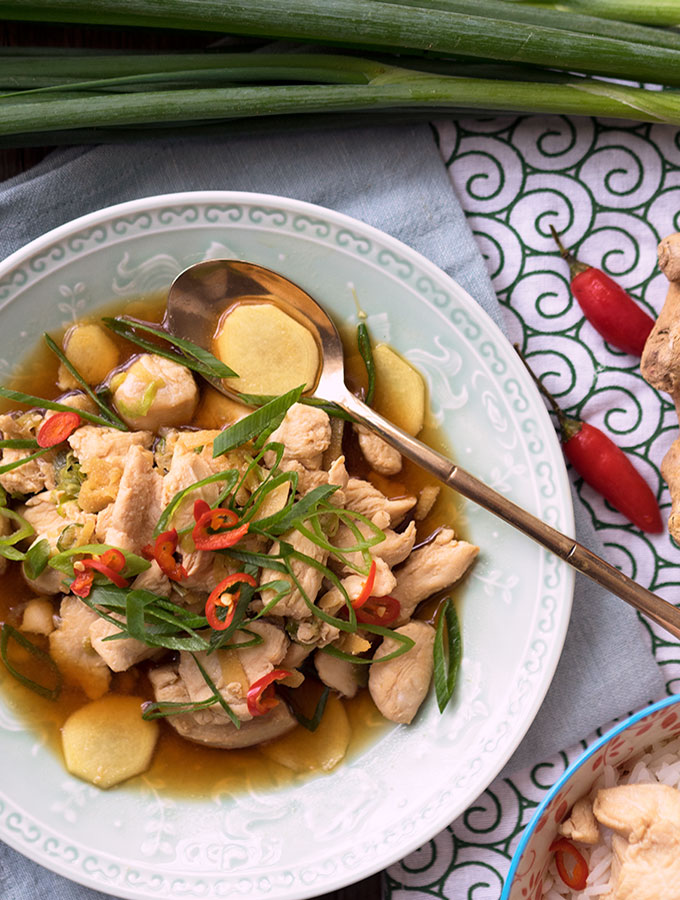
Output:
x=7 y=541
x=364 y=344
x=114 y=420
x=311 y=723
x=19 y=444
x=266 y=418
x=447 y=653
x=229 y=476
x=9 y=467
x=191 y=355
x=41 y=403
x=36 y=558
x=11 y=634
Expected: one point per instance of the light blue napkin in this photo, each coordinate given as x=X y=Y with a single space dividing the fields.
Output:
x=392 y=178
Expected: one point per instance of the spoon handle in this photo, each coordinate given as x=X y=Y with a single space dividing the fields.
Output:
x=576 y=555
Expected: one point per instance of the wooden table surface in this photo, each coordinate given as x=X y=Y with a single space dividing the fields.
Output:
x=14 y=161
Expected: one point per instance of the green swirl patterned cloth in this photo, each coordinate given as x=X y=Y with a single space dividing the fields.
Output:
x=612 y=191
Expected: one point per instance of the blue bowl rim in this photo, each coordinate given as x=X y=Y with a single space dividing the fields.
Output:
x=559 y=784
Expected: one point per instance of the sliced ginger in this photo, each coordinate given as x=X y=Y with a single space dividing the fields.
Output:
x=314 y=751
x=107 y=741
x=269 y=350
x=399 y=390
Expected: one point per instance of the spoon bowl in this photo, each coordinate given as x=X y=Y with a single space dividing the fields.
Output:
x=201 y=294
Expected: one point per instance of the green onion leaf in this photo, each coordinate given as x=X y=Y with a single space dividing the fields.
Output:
x=220 y=699
x=311 y=723
x=299 y=511
x=7 y=541
x=41 y=403
x=447 y=653
x=191 y=355
x=331 y=409
x=364 y=344
x=53 y=674
x=405 y=644
x=36 y=558
x=266 y=417
x=229 y=476
x=8 y=467
x=109 y=414
x=63 y=561
x=19 y=444
x=163 y=709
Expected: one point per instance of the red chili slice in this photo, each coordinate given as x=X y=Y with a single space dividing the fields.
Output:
x=218 y=597
x=261 y=697
x=163 y=552
x=379 y=611
x=114 y=559
x=110 y=573
x=572 y=867
x=214 y=529
x=111 y=563
x=82 y=583
x=57 y=428
x=200 y=508
x=367 y=588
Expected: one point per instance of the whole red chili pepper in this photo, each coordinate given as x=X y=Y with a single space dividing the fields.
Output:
x=605 y=467
x=608 y=308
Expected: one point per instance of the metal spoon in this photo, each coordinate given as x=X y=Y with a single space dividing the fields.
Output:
x=201 y=293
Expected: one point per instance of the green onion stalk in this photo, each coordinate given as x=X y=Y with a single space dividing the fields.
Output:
x=384 y=88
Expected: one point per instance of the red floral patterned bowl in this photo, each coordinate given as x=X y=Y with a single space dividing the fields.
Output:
x=627 y=739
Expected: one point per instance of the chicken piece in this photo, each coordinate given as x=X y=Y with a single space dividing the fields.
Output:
x=393 y=549
x=293 y=604
x=383 y=584
x=426 y=500
x=305 y=433
x=339 y=674
x=363 y=498
x=217 y=731
x=381 y=457
x=432 y=567
x=646 y=819
x=581 y=825
x=71 y=649
x=38 y=616
x=155 y=392
x=102 y=453
x=153 y=579
x=137 y=506
x=34 y=476
x=51 y=522
x=316 y=633
x=192 y=461
x=400 y=685
x=296 y=654
x=118 y=655
x=97 y=442
x=233 y=671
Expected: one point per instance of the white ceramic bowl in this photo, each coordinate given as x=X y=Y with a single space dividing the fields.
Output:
x=652 y=725
x=321 y=833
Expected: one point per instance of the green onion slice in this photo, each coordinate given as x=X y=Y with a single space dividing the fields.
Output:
x=9 y=633
x=109 y=414
x=267 y=417
x=191 y=355
x=364 y=344
x=36 y=558
x=447 y=653
x=41 y=403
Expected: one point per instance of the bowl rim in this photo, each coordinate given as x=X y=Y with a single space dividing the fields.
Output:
x=587 y=754
x=154 y=201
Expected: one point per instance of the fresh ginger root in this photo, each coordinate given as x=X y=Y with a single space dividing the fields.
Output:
x=660 y=365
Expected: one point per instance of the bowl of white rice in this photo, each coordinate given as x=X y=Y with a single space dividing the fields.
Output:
x=583 y=826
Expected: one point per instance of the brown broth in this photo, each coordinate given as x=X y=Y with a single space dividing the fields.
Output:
x=179 y=767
